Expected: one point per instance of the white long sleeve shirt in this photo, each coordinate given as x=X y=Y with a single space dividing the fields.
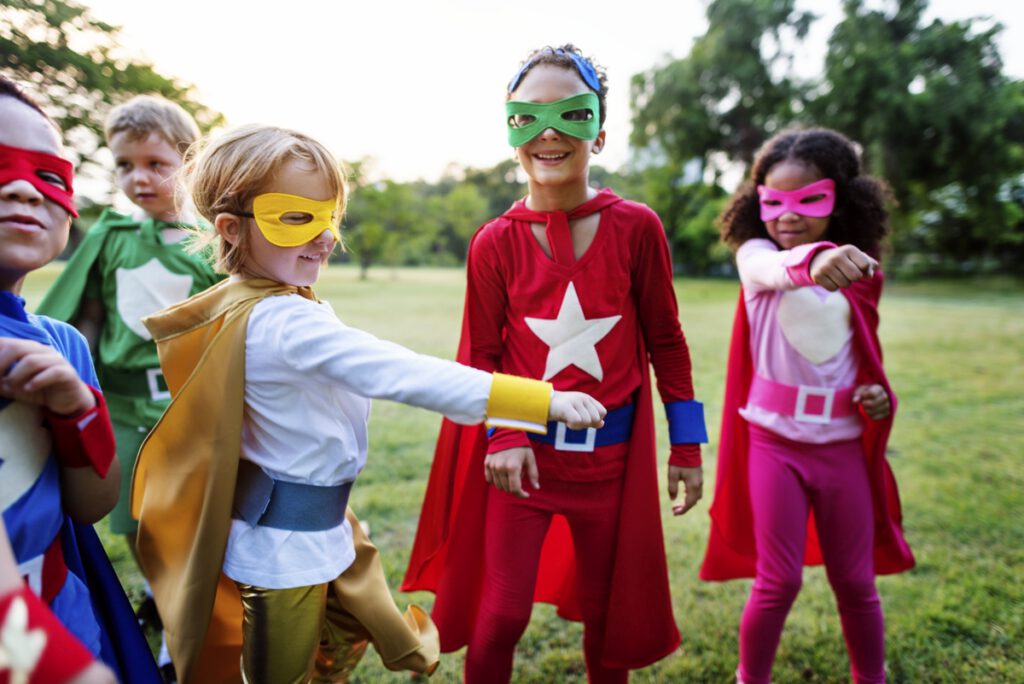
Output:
x=308 y=383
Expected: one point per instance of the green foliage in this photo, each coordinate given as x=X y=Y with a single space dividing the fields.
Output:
x=73 y=65
x=940 y=122
x=929 y=103
x=731 y=89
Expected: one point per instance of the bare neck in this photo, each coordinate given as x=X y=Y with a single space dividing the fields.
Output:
x=560 y=198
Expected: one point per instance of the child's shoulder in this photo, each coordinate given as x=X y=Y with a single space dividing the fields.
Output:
x=66 y=337
x=635 y=212
x=112 y=218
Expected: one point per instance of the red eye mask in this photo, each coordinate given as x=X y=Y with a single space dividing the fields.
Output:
x=49 y=174
x=815 y=200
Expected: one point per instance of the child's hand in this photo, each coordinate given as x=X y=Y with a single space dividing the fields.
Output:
x=577 y=410
x=874 y=400
x=841 y=267
x=693 y=483
x=37 y=374
x=504 y=470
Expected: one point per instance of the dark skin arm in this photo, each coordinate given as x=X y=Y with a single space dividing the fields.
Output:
x=90 y=321
x=35 y=373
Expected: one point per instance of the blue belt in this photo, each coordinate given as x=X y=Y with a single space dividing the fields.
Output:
x=618 y=425
x=262 y=500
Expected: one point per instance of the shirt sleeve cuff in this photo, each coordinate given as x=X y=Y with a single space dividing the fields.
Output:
x=59 y=655
x=86 y=439
x=519 y=403
x=798 y=263
x=686 y=422
x=685 y=456
x=500 y=439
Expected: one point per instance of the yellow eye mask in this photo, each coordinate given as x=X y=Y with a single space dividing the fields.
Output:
x=291 y=220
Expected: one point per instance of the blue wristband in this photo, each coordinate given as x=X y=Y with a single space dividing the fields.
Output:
x=686 y=422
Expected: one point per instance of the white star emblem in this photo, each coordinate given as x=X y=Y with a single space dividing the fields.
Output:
x=20 y=647
x=572 y=337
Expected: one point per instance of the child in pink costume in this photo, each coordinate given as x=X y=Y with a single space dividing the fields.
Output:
x=802 y=476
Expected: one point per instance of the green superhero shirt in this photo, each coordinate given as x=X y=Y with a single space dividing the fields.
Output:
x=125 y=263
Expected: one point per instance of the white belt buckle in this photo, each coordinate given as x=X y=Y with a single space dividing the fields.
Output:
x=804 y=391
x=155 y=392
x=586 y=445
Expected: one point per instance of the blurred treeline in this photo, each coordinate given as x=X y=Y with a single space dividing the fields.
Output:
x=928 y=102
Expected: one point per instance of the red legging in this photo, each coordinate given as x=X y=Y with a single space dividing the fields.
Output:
x=515 y=534
x=786 y=479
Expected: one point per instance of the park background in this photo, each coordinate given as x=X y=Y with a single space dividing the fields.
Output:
x=932 y=98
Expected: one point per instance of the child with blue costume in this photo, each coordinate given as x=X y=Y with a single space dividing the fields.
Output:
x=57 y=471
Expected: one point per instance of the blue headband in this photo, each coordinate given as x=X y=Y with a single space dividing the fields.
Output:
x=584 y=67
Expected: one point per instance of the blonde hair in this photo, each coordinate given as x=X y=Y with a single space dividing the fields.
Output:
x=224 y=176
x=146 y=114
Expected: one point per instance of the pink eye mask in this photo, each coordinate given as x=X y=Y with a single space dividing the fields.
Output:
x=815 y=200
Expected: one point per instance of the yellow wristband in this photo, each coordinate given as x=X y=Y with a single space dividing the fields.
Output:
x=519 y=403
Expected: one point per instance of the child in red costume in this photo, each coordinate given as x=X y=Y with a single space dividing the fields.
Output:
x=575 y=286
x=802 y=476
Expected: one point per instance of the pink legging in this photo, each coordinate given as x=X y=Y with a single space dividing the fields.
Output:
x=516 y=529
x=787 y=478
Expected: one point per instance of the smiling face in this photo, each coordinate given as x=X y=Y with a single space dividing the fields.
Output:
x=33 y=228
x=791 y=229
x=144 y=170
x=290 y=265
x=553 y=161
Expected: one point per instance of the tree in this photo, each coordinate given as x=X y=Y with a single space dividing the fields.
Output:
x=72 y=63
x=456 y=215
x=938 y=120
x=380 y=222
x=717 y=104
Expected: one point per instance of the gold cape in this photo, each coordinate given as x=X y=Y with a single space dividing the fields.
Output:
x=182 y=493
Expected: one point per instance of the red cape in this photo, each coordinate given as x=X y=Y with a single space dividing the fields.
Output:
x=447 y=556
x=731 y=552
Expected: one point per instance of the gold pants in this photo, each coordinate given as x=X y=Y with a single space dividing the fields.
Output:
x=319 y=633
x=298 y=635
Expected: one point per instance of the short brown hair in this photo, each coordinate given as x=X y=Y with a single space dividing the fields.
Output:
x=146 y=114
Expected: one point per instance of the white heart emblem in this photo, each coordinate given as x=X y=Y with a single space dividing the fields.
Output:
x=817 y=328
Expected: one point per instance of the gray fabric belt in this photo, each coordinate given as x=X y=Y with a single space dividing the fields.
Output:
x=262 y=500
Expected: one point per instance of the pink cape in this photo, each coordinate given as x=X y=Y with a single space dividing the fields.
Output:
x=731 y=552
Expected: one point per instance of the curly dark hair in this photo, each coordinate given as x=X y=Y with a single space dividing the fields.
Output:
x=558 y=57
x=860 y=217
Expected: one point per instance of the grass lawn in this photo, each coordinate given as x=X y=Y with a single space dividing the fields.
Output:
x=955 y=358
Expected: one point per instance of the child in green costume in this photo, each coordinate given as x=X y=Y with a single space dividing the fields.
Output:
x=129 y=266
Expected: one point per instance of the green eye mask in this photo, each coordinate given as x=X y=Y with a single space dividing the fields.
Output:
x=526 y=120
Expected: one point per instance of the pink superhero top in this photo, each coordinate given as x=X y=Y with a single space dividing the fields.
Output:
x=800 y=337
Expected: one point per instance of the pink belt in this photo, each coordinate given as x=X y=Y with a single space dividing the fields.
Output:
x=804 y=403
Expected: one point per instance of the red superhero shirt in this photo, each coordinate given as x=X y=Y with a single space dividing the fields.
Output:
x=618 y=302
x=731 y=552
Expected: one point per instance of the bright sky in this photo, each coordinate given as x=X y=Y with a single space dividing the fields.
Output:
x=419 y=84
